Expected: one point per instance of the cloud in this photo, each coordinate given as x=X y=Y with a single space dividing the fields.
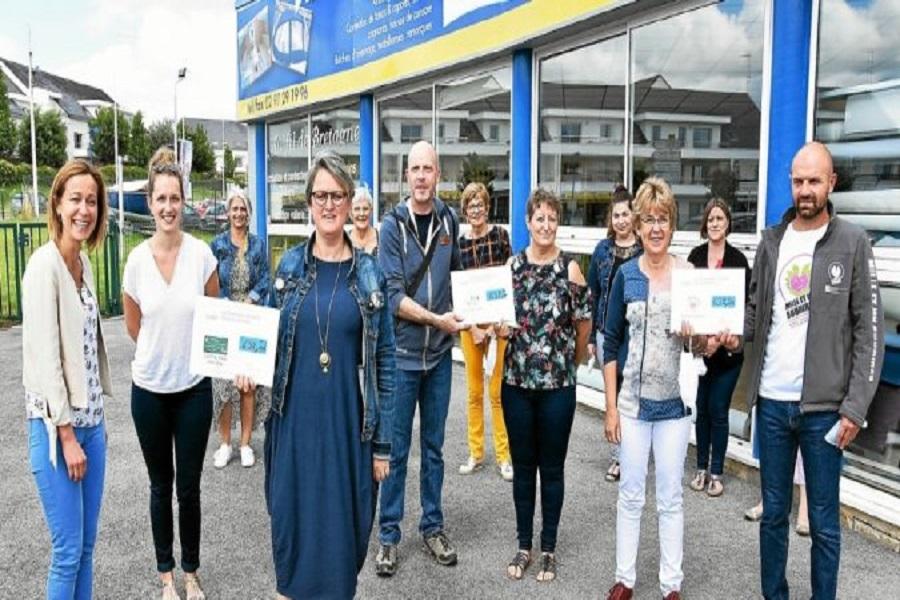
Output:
x=145 y=45
x=858 y=44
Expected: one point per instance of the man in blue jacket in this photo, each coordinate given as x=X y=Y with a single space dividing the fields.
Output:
x=418 y=248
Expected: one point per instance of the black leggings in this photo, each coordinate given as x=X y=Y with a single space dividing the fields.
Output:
x=159 y=419
x=538 y=423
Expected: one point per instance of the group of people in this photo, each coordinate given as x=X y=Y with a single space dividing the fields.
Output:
x=365 y=334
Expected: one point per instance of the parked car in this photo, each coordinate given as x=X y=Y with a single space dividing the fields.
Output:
x=215 y=215
x=190 y=219
x=18 y=199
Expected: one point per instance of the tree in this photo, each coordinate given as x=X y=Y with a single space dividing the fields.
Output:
x=477 y=168
x=228 y=162
x=103 y=136
x=139 y=144
x=204 y=161
x=158 y=135
x=7 y=127
x=50 y=139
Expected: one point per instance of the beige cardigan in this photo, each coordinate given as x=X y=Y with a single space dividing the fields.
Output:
x=53 y=337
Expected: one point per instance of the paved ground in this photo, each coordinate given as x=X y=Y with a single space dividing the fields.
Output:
x=720 y=548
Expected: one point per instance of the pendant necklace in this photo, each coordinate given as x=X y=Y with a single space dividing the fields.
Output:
x=324 y=356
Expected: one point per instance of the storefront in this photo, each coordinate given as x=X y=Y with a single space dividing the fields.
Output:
x=581 y=95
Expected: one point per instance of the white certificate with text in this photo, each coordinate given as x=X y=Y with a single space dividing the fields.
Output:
x=711 y=300
x=234 y=338
x=484 y=295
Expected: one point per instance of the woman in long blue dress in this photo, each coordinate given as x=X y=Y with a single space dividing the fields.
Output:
x=328 y=437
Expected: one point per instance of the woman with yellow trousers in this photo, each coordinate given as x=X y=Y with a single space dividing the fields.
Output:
x=485 y=245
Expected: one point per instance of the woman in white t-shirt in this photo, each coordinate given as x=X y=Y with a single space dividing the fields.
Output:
x=164 y=275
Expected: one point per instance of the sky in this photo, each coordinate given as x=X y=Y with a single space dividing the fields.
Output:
x=132 y=49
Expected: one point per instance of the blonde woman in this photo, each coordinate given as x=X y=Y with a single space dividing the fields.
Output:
x=484 y=245
x=243 y=277
x=66 y=377
x=171 y=407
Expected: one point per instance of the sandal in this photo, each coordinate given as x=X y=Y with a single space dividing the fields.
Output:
x=613 y=472
x=548 y=568
x=700 y=480
x=192 y=588
x=518 y=565
x=715 y=488
x=169 y=592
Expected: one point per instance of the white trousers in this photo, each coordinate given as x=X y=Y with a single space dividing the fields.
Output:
x=668 y=440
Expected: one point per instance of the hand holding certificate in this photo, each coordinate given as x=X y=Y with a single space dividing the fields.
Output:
x=484 y=295
x=234 y=338
x=711 y=301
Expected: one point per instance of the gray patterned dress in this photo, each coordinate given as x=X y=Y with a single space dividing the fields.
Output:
x=224 y=391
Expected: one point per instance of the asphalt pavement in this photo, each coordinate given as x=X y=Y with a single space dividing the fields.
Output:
x=720 y=549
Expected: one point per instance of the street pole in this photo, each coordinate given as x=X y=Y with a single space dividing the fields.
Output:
x=119 y=183
x=34 y=181
x=224 y=191
x=181 y=73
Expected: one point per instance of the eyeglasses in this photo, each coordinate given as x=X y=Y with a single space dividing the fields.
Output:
x=475 y=208
x=321 y=198
x=649 y=221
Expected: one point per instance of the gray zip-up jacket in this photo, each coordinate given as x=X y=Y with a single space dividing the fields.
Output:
x=845 y=335
x=419 y=347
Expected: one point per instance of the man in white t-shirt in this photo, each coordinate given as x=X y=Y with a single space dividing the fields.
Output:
x=814 y=311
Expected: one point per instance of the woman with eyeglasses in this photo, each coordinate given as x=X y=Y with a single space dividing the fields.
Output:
x=243 y=277
x=328 y=439
x=621 y=244
x=65 y=372
x=171 y=407
x=553 y=314
x=647 y=413
x=484 y=245
x=363 y=235
x=722 y=367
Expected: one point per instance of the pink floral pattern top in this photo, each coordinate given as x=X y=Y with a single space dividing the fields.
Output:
x=540 y=354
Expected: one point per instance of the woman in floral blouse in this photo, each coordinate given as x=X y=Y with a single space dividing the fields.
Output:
x=553 y=313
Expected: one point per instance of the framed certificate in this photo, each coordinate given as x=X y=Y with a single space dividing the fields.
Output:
x=234 y=338
x=484 y=295
x=711 y=300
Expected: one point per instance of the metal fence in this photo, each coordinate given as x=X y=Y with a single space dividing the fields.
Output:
x=18 y=241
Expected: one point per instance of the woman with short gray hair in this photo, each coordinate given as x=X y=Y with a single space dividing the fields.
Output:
x=363 y=235
x=328 y=439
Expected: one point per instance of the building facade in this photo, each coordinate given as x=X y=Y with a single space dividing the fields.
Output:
x=580 y=96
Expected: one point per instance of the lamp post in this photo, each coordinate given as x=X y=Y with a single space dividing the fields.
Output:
x=182 y=72
x=34 y=181
x=119 y=182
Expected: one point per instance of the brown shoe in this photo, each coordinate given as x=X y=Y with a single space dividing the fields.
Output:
x=673 y=595
x=620 y=591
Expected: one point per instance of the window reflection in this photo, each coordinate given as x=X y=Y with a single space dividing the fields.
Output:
x=473 y=138
x=696 y=88
x=858 y=111
x=403 y=120
x=582 y=125
x=286 y=173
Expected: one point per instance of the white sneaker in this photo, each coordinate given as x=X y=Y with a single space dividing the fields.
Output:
x=248 y=459
x=470 y=467
x=222 y=456
x=506 y=471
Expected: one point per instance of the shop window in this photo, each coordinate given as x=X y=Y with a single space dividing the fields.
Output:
x=288 y=145
x=708 y=87
x=857 y=115
x=396 y=117
x=583 y=161
x=337 y=130
x=474 y=112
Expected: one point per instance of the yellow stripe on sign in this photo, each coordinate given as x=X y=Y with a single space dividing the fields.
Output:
x=514 y=26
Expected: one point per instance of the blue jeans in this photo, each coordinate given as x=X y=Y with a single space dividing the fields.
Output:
x=431 y=391
x=782 y=429
x=72 y=509
x=713 y=402
x=538 y=423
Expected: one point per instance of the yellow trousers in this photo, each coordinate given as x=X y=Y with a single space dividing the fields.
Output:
x=474 y=356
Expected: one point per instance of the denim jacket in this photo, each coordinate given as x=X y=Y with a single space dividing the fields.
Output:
x=294 y=278
x=257 y=261
x=599 y=279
